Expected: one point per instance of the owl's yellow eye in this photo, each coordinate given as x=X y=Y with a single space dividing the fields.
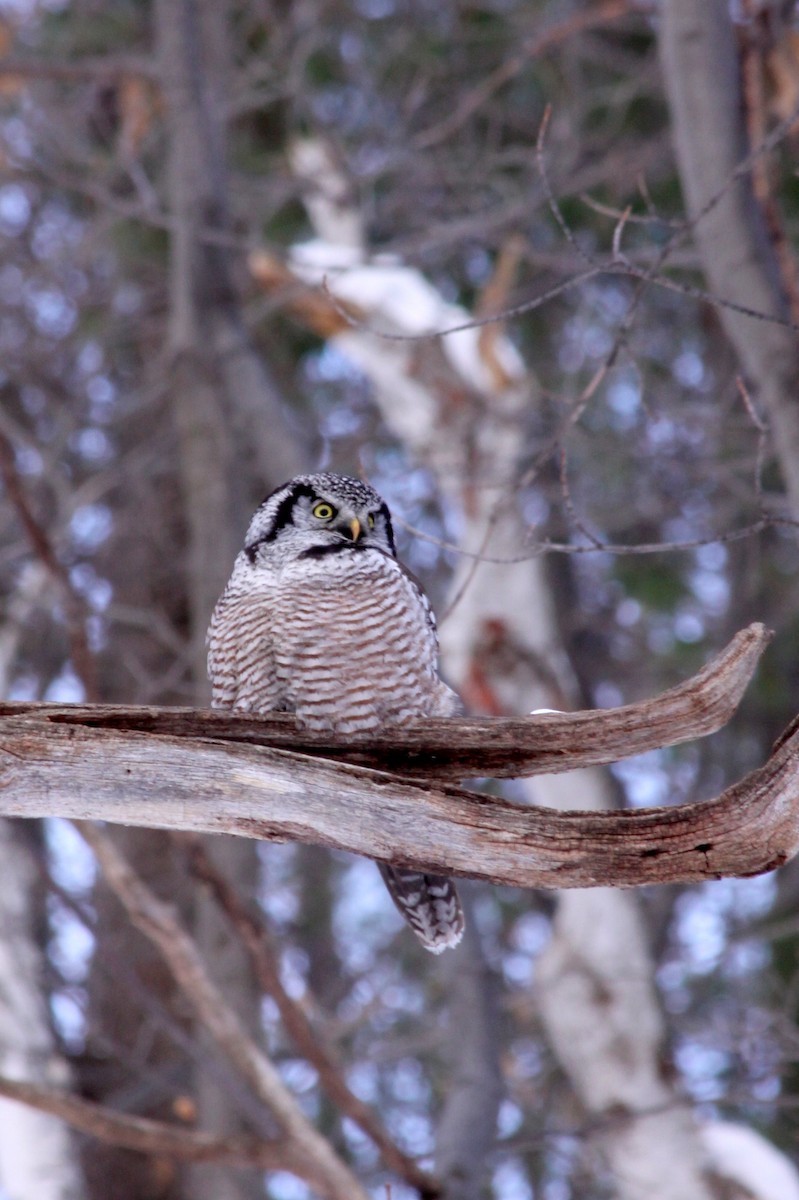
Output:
x=370 y=521
x=324 y=511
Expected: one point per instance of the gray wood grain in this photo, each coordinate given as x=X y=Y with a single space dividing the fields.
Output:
x=61 y=768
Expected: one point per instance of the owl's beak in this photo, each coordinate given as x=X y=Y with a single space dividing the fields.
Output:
x=350 y=528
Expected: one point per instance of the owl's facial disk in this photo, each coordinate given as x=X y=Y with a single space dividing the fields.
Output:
x=317 y=516
x=330 y=522
x=342 y=520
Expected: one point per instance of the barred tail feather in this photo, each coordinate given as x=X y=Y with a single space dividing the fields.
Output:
x=430 y=905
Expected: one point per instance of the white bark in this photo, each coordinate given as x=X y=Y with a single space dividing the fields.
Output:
x=476 y=466
x=37 y=1158
x=598 y=1003
x=742 y=1156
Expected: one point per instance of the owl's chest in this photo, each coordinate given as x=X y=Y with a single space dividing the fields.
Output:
x=345 y=608
x=352 y=645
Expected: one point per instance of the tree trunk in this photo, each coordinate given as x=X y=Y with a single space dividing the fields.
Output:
x=233 y=442
x=192 y=40
x=701 y=71
x=38 y=1160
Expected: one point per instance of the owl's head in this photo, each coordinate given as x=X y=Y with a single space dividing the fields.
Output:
x=313 y=516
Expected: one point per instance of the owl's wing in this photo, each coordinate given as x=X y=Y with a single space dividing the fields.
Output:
x=222 y=656
x=421 y=598
x=445 y=702
x=241 y=663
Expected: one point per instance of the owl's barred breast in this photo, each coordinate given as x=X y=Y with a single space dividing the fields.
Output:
x=357 y=653
x=342 y=641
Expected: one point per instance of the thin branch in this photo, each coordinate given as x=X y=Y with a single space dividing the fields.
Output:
x=600 y=14
x=651 y=218
x=607 y=268
x=74 y=606
x=297 y=1023
x=568 y=503
x=548 y=546
x=762 y=439
x=313 y=1155
x=100 y=67
x=146 y=1135
x=618 y=256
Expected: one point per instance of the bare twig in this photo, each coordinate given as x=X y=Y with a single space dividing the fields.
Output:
x=98 y=67
x=617 y=235
x=74 y=607
x=146 y=1135
x=599 y=14
x=313 y=1156
x=297 y=1023
x=578 y=523
x=537 y=547
x=762 y=436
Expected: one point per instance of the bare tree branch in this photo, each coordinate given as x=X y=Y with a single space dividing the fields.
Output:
x=452 y=749
x=315 y=1158
x=146 y=1135
x=51 y=768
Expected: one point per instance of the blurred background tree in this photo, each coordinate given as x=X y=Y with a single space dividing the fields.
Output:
x=209 y=213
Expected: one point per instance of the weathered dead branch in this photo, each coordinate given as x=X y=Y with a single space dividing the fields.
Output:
x=81 y=764
x=451 y=749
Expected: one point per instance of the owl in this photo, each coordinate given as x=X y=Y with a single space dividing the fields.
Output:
x=320 y=619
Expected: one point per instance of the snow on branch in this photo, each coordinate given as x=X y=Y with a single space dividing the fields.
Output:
x=210 y=772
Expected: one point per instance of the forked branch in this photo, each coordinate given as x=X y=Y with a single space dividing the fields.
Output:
x=215 y=773
x=452 y=749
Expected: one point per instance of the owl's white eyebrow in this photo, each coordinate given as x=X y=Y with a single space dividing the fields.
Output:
x=282 y=513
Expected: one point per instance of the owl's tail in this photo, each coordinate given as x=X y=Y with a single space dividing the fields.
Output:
x=430 y=905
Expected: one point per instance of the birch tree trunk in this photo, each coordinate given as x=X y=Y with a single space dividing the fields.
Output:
x=38 y=1160
x=594 y=981
x=502 y=650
